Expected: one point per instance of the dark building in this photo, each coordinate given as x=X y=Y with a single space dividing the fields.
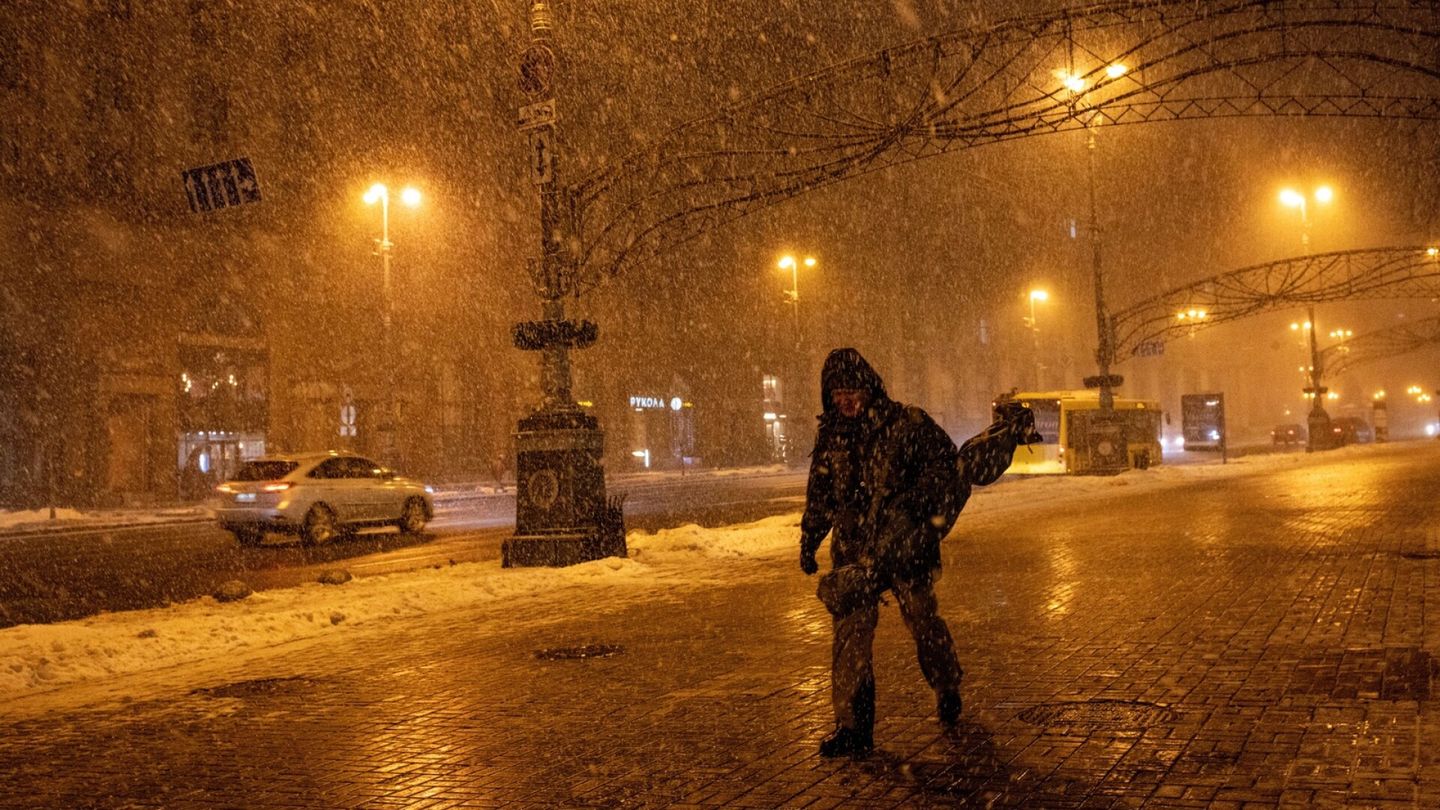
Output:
x=146 y=347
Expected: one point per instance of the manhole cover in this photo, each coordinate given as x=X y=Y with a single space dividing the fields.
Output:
x=259 y=686
x=1420 y=555
x=1127 y=714
x=580 y=652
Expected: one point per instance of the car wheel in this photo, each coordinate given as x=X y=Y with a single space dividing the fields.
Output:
x=320 y=525
x=249 y=536
x=412 y=516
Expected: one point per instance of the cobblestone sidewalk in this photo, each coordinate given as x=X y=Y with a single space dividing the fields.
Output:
x=1257 y=641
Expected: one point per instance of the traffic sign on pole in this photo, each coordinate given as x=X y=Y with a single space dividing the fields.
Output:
x=542 y=156
x=534 y=116
x=221 y=185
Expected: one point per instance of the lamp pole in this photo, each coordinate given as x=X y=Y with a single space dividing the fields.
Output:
x=793 y=399
x=387 y=365
x=1078 y=85
x=1318 y=421
x=1036 y=295
x=793 y=265
x=389 y=424
x=1105 y=348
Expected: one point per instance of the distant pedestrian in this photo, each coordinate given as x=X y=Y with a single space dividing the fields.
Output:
x=499 y=463
x=886 y=484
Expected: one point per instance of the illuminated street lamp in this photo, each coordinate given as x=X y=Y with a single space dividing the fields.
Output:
x=1040 y=296
x=1077 y=85
x=1318 y=419
x=411 y=198
x=788 y=262
x=791 y=394
x=1295 y=199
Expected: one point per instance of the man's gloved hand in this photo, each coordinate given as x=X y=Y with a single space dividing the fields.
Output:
x=807 y=561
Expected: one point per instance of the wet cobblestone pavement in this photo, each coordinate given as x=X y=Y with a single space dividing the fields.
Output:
x=1258 y=640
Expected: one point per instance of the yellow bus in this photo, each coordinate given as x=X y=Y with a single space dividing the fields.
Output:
x=1062 y=417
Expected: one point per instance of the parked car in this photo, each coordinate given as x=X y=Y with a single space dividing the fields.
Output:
x=1351 y=430
x=318 y=496
x=1288 y=435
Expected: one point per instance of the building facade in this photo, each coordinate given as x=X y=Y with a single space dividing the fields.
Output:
x=148 y=348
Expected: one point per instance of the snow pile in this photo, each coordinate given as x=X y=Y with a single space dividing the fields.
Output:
x=66 y=517
x=35 y=658
x=26 y=517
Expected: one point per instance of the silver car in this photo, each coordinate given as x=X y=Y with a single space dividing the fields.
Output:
x=318 y=495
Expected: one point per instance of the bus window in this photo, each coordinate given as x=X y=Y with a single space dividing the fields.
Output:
x=1047 y=417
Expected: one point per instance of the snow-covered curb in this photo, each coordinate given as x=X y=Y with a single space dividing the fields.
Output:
x=39 y=520
x=41 y=657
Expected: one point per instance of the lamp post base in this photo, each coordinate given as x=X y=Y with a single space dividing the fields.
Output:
x=559 y=550
x=1319 y=435
x=562 y=516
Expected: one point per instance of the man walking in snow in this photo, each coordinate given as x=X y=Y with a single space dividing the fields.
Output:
x=886 y=484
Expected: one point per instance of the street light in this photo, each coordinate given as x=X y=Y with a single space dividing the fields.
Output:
x=1077 y=84
x=1319 y=420
x=1291 y=198
x=1041 y=296
x=791 y=394
x=409 y=197
x=789 y=262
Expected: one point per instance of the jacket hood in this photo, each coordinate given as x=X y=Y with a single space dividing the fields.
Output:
x=846 y=368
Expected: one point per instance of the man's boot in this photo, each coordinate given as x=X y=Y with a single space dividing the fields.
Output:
x=947 y=707
x=847 y=742
x=857 y=741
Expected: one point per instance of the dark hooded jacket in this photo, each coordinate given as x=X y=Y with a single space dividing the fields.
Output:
x=887 y=482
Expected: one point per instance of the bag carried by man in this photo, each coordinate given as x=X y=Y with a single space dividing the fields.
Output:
x=900 y=540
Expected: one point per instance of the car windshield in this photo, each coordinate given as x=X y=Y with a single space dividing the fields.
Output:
x=264 y=470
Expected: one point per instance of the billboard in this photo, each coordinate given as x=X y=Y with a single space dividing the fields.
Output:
x=1202 y=420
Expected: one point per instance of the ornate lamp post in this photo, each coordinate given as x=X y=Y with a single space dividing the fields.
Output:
x=562 y=516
